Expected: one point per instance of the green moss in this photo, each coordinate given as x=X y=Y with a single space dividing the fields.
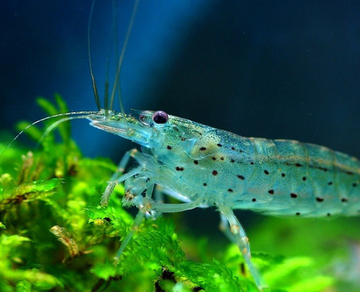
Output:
x=54 y=234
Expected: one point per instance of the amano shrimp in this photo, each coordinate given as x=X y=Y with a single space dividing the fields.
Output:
x=203 y=166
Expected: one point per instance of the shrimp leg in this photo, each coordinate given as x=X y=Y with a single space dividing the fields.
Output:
x=174 y=208
x=236 y=233
x=224 y=227
x=117 y=176
x=139 y=217
x=147 y=205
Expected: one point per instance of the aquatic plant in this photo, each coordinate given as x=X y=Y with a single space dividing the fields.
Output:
x=55 y=235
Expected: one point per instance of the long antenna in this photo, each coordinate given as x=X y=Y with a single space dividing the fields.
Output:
x=106 y=91
x=83 y=114
x=118 y=70
x=96 y=93
x=115 y=36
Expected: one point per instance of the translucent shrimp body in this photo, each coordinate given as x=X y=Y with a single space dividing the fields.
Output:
x=279 y=177
x=204 y=166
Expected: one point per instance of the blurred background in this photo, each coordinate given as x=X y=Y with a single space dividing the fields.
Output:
x=271 y=69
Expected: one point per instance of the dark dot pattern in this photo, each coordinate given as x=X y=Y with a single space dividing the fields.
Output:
x=313 y=184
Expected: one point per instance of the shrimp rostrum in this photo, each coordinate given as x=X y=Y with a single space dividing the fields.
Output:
x=203 y=166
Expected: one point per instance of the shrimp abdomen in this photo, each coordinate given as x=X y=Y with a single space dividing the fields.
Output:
x=293 y=178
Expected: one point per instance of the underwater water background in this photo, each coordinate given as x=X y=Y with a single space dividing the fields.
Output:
x=272 y=69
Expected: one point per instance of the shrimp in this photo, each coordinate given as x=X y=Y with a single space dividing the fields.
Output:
x=205 y=166
x=202 y=166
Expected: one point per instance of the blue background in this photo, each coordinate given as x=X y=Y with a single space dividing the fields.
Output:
x=272 y=69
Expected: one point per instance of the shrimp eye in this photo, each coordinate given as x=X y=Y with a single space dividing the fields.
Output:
x=160 y=117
